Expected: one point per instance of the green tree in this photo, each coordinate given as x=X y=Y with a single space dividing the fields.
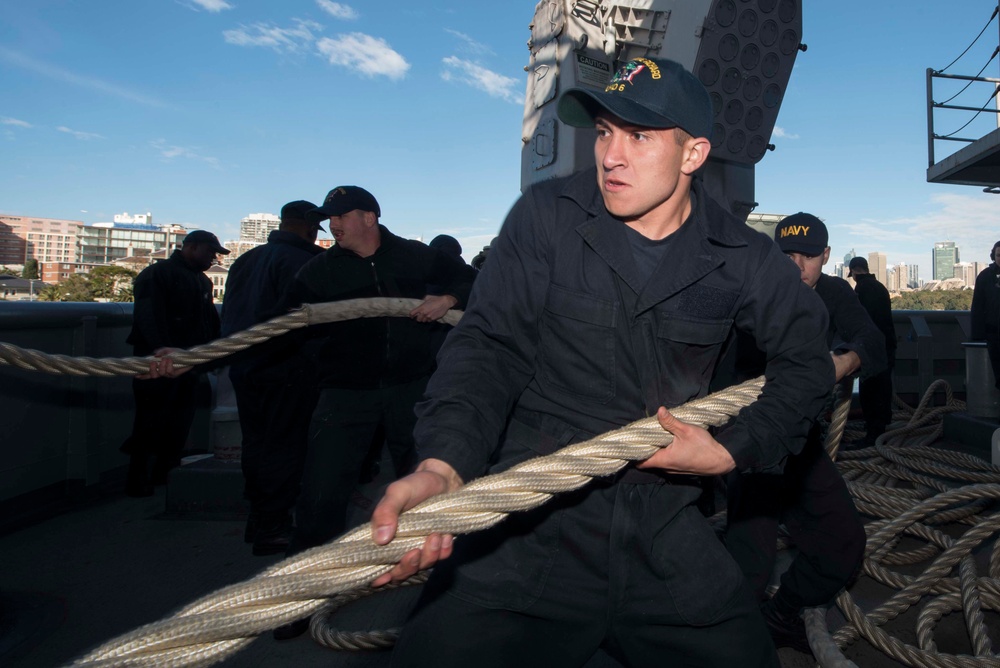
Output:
x=76 y=288
x=112 y=283
x=933 y=300
x=50 y=293
x=30 y=269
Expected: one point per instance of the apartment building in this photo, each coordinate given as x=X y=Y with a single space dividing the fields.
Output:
x=43 y=239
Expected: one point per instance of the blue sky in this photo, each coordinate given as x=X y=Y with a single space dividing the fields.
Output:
x=204 y=111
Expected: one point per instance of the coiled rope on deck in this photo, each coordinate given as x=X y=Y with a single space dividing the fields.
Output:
x=910 y=489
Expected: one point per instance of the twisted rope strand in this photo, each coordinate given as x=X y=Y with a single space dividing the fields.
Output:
x=223 y=623
x=220 y=623
x=307 y=315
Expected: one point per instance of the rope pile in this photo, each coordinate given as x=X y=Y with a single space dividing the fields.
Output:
x=909 y=488
x=918 y=497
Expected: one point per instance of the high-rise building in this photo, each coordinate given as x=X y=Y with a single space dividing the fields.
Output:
x=255 y=227
x=945 y=257
x=849 y=256
x=914 y=281
x=966 y=271
x=898 y=278
x=43 y=239
x=877 y=267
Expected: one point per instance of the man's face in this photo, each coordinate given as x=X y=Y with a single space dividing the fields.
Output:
x=348 y=230
x=203 y=256
x=637 y=168
x=811 y=266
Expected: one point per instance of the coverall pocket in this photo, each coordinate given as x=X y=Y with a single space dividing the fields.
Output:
x=691 y=345
x=701 y=576
x=576 y=350
x=508 y=565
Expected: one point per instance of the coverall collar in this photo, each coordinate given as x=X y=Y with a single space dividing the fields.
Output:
x=686 y=261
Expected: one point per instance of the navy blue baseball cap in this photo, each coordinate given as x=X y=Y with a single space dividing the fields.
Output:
x=206 y=237
x=343 y=199
x=802 y=233
x=301 y=211
x=646 y=92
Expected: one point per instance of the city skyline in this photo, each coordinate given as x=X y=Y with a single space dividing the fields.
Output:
x=268 y=103
x=255 y=227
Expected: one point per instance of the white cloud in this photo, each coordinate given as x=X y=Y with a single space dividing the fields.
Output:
x=480 y=78
x=782 y=133
x=170 y=152
x=282 y=40
x=471 y=45
x=85 y=136
x=214 y=6
x=4 y=120
x=968 y=220
x=337 y=10
x=366 y=55
x=82 y=81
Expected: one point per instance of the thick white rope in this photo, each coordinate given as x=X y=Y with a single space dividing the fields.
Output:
x=222 y=623
x=219 y=625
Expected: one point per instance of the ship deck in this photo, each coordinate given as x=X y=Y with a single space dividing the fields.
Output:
x=112 y=563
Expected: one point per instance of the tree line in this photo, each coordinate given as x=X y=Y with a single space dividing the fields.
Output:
x=113 y=284
x=933 y=300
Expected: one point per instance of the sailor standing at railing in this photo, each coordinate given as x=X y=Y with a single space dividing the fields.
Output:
x=173 y=309
x=608 y=295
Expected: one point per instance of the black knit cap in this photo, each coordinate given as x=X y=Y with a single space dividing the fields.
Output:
x=646 y=92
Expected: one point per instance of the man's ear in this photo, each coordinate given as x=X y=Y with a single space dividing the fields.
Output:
x=695 y=154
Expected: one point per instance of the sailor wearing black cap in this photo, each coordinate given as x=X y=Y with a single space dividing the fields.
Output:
x=173 y=309
x=275 y=392
x=608 y=295
x=810 y=498
x=875 y=392
x=370 y=371
x=985 y=310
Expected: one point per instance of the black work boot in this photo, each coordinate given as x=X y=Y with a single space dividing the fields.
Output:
x=787 y=628
x=137 y=483
x=272 y=533
x=250 y=530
